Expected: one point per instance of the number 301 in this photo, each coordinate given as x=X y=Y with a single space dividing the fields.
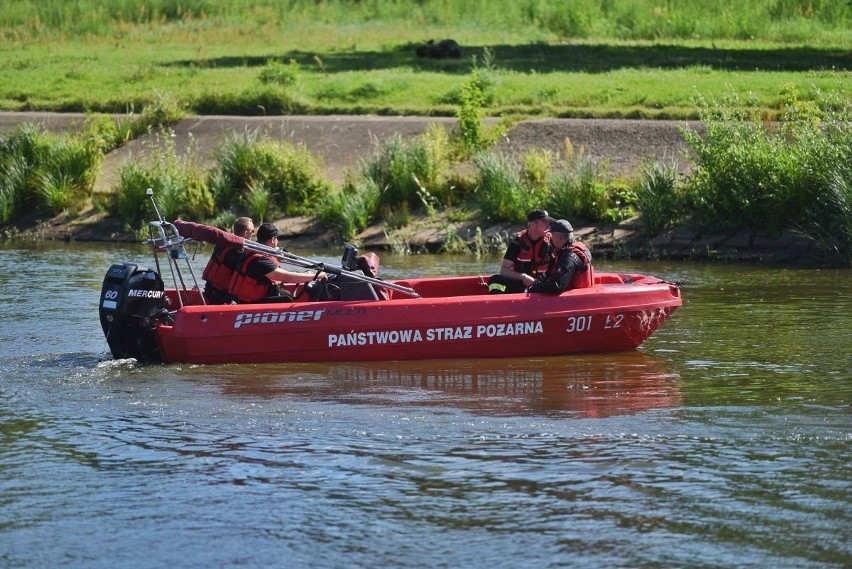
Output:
x=579 y=323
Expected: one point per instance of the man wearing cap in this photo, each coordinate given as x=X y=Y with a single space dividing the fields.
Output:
x=223 y=263
x=256 y=277
x=527 y=256
x=568 y=257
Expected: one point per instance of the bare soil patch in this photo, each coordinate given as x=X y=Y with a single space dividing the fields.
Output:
x=624 y=145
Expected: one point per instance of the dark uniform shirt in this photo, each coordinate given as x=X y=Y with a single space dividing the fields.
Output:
x=561 y=271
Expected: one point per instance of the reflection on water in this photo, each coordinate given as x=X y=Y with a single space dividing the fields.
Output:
x=590 y=386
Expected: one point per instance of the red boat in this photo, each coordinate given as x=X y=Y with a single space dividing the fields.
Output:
x=423 y=318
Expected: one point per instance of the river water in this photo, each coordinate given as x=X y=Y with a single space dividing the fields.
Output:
x=723 y=442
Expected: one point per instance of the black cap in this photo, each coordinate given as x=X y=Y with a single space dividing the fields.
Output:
x=538 y=214
x=561 y=226
x=266 y=231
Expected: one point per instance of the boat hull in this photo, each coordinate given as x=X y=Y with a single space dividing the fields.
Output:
x=455 y=318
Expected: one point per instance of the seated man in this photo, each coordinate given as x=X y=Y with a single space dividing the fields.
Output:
x=257 y=276
x=568 y=257
x=527 y=256
x=222 y=264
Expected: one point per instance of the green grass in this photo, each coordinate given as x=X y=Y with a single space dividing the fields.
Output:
x=86 y=77
x=785 y=20
x=589 y=58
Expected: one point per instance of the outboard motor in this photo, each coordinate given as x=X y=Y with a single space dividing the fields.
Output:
x=132 y=303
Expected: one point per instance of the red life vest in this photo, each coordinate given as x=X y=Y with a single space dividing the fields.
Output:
x=577 y=247
x=216 y=273
x=582 y=275
x=245 y=288
x=533 y=257
x=583 y=252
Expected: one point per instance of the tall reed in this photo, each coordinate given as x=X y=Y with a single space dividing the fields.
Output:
x=350 y=208
x=499 y=191
x=43 y=171
x=659 y=200
x=178 y=180
x=289 y=172
x=409 y=171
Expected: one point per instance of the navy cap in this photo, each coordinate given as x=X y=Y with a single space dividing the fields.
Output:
x=538 y=214
x=267 y=231
x=561 y=226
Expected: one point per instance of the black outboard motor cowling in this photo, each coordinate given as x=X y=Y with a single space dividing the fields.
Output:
x=131 y=306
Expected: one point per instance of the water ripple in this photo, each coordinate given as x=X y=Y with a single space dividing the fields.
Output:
x=724 y=442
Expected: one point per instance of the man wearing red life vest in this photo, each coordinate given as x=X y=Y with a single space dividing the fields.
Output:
x=526 y=257
x=568 y=257
x=222 y=264
x=257 y=275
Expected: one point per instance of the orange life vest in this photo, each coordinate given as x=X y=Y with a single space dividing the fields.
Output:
x=245 y=288
x=217 y=274
x=533 y=257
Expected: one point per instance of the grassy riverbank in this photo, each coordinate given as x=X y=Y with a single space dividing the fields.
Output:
x=561 y=59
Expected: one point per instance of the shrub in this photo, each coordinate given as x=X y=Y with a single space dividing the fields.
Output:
x=459 y=191
x=105 y=133
x=180 y=188
x=163 y=111
x=351 y=208
x=265 y=99
x=574 y=188
x=277 y=73
x=658 y=199
x=761 y=175
x=537 y=167
x=102 y=132
x=45 y=170
x=590 y=179
x=129 y=202
x=473 y=95
x=57 y=191
x=436 y=141
x=830 y=219
x=407 y=172
x=563 y=198
x=233 y=172
x=259 y=203
x=290 y=174
x=471 y=114
x=622 y=200
x=224 y=220
x=578 y=189
x=499 y=192
x=13 y=174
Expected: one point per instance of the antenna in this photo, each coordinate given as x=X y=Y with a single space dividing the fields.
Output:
x=150 y=193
